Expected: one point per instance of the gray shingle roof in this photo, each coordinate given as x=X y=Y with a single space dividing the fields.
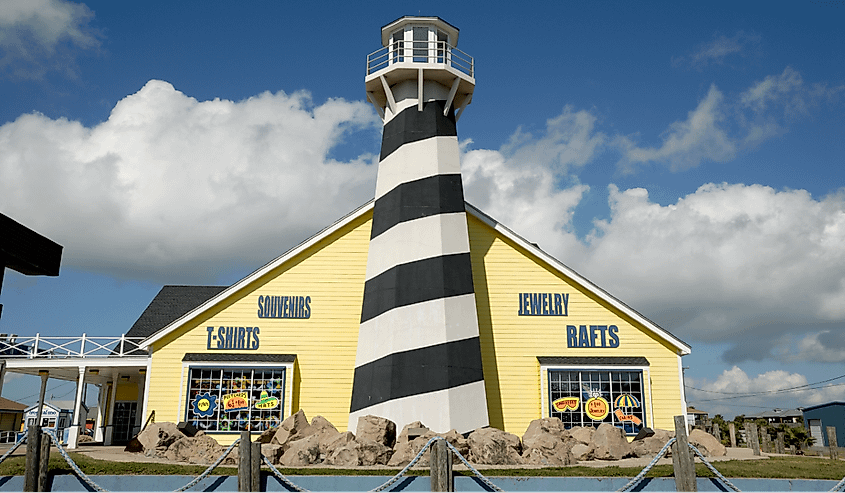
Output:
x=593 y=360
x=168 y=305
x=241 y=357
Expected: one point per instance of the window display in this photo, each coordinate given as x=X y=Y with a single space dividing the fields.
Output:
x=592 y=397
x=235 y=399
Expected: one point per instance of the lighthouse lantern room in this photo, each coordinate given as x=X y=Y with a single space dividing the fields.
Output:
x=419 y=61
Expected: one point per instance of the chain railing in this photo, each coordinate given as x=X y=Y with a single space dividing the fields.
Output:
x=17 y=444
x=630 y=485
x=401 y=473
x=281 y=476
x=81 y=475
x=84 y=346
x=713 y=469
x=210 y=468
x=413 y=52
x=472 y=469
x=639 y=477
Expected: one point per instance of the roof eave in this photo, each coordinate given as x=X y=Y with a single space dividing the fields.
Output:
x=681 y=347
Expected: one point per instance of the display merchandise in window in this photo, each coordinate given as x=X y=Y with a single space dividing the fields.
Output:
x=592 y=397
x=235 y=399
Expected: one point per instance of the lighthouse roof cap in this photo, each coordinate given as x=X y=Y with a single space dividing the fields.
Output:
x=387 y=29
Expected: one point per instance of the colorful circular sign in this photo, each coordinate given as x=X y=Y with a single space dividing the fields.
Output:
x=204 y=404
x=596 y=408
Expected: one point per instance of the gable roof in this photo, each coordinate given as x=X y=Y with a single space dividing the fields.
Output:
x=776 y=413
x=681 y=347
x=10 y=405
x=171 y=303
x=827 y=404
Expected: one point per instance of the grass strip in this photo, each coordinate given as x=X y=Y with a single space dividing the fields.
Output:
x=774 y=467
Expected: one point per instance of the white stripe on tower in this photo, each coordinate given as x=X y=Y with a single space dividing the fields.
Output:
x=419 y=356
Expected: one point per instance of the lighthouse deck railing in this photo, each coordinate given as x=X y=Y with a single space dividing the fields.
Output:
x=38 y=346
x=420 y=52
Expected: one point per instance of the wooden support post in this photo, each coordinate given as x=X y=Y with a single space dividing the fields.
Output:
x=732 y=430
x=717 y=432
x=765 y=441
x=682 y=458
x=441 y=467
x=44 y=463
x=753 y=439
x=781 y=448
x=33 y=452
x=831 y=443
x=245 y=462
x=255 y=466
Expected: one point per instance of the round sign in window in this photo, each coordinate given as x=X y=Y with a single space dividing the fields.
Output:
x=596 y=408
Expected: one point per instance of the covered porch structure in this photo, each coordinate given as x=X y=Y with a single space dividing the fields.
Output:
x=114 y=364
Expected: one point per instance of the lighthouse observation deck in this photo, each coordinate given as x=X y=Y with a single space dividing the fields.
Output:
x=420 y=54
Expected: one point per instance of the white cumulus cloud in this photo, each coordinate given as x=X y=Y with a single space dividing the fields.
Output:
x=735 y=389
x=685 y=144
x=524 y=184
x=171 y=188
x=731 y=263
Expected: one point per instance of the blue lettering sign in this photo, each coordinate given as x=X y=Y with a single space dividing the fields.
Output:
x=232 y=338
x=284 y=307
x=544 y=304
x=592 y=336
x=571 y=336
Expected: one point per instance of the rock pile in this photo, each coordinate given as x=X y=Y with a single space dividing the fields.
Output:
x=296 y=443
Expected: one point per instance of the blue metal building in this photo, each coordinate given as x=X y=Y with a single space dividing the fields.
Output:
x=818 y=418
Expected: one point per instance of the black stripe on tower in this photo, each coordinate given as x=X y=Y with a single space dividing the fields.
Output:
x=438 y=194
x=416 y=282
x=412 y=125
x=418 y=371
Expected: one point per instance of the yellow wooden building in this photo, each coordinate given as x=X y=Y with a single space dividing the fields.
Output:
x=284 y=338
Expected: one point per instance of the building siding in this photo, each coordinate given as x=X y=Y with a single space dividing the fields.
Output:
x=332 y=273
x=511 y=343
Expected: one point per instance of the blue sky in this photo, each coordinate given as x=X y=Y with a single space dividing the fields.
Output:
x=687 y=157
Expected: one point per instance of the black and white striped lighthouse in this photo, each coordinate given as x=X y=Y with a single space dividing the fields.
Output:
x=418 y=355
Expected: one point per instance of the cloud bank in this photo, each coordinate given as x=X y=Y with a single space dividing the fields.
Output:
x=734 y=388
x=173 y=190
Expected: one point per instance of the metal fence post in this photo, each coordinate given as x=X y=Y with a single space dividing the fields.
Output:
x=831 y=442
x=245 y=462
x=441 y=467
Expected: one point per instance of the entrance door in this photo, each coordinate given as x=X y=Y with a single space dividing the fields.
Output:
x=816 y=431
x=124 y=421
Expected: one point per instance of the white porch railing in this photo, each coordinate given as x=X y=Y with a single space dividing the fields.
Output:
x=38 y=346
x=412 y=52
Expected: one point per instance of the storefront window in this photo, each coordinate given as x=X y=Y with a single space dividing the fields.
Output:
x=235 y=399
x=592 y=397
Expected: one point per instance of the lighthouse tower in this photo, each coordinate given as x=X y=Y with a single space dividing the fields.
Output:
x=419 y=357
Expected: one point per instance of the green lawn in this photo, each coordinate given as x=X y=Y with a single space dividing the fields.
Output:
x=775 y=467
